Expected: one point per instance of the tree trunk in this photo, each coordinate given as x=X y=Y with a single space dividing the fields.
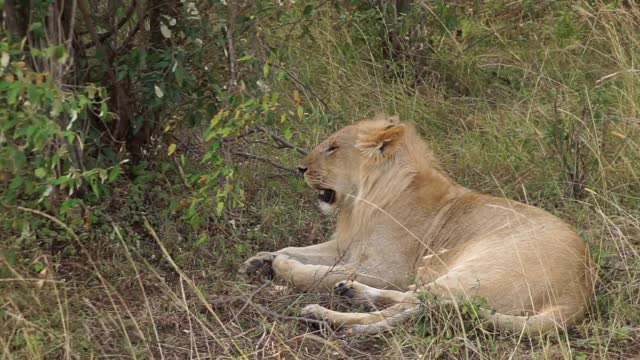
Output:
x=17 y=18
x=157 y=43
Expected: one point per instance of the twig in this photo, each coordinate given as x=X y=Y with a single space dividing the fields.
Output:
x=142 y=15
x=235 y=315
x=115 y=28
x=193 y=287
x=264 y=159
x=282 y=141
x=227 y=300
x=230 y=47
x=295 y=23
x=183 y=176
x=52 y=218
x=308 y=88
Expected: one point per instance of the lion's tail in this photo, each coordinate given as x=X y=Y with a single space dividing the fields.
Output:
x=538 y=324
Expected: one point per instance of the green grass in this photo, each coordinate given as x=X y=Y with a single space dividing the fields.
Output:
x=526 y=103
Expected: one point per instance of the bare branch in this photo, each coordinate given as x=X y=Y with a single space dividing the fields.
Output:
x=282 y=141
x=115 y=28
x=307 y=88
x=264 y=159
x=233 y=78
x=263 y=310
x=142 y=15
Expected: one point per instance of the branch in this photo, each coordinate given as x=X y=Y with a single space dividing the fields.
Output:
x=282 y=141
x=230 y=47
x=308 y=88
x=142 y=15
x=86 y=17
x=264 y=159
x=53 y=219
x=181 y=171
x=115 y=29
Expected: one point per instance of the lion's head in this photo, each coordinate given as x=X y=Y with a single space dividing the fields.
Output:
x=372 y=155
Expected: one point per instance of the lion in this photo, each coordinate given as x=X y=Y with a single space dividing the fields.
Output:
x=404 y=227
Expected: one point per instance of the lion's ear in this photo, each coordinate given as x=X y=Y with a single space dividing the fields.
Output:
x=381 y=142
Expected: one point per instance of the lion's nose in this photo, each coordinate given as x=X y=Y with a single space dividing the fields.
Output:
x=302 y=170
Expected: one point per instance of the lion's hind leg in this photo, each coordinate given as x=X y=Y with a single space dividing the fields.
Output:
x=308 y=276
x=365 y=323
x=404 y=305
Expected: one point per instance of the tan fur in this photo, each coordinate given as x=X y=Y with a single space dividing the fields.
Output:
x=403 y=224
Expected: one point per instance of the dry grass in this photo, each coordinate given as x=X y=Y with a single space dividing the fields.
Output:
x=541 y=105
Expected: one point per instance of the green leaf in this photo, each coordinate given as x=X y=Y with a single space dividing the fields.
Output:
x=104 y=109
x=59 y=55
x=245 y=58
x=216 y=119
x=37 y=29
x=195 y=221
x=95 y=188
x=41 y=173
x=16 y=182
x=172 y=149
x=61 y=180
x=11 y=258
x=300 y=112
x=68 y=204
x=307 y=10
x=452 y=22
x=287 y=133
x=114 y=173
x=248 y=103
x=38 y=266
x=35 y=26
x=241 y=248
x=14 y=91
x=179 y=74
x=219 y=208
x=202 y=240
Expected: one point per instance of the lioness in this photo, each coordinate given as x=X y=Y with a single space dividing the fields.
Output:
x=403 y=227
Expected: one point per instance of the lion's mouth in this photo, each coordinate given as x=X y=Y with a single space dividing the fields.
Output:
x=327 y=195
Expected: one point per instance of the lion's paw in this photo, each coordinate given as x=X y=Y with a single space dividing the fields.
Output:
x=345 y=288
x=313 y=311
x=258 y=266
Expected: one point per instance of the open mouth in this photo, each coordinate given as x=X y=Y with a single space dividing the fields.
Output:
x=327 y=195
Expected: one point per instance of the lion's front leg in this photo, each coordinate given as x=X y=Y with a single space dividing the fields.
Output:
x=260 y=265
x=310 y=276
x=321 y=277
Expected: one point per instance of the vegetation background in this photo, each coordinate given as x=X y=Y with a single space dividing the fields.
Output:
x=148 y=147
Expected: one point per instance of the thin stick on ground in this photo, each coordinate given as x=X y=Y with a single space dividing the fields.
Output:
x=228 y=300
x=193 y=287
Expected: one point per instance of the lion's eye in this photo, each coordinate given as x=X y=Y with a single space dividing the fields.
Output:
x=331 y=149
